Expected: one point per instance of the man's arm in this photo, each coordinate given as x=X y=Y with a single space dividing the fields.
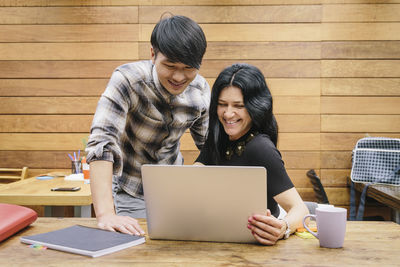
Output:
x=101 y=187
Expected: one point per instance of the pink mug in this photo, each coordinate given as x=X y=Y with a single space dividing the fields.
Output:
x=331 y=225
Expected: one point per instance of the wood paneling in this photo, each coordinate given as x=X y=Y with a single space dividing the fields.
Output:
x=361 y=123
x=360 y=68
x=69 y=51
x=48 y=105
x=360 y=31
x=69 y=33
x=162 y=2
x=46 y=123
x=360 y=87
x=69 y=15
x=336 y=159
x=296 y=105
x=361 y=13
x=360 y=105
x=347 y=141
x=251 y=32
x=299 y=123
x=103 y=69
x=253 y=50
x=52 y=87
x=360 y=50
x=54 y=159
x=73 y=141
x=236 y=14
x=270 y=68
x=81 y=123
x=58 y=69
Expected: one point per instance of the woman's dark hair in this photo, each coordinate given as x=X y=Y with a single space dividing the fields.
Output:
x=257 y=100
x=180 y=39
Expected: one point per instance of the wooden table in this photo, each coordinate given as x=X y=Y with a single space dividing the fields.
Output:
x=388 y=195
x=32 y=191
x=366 y=243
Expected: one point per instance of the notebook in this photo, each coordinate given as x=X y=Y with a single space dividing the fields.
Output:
x=203 y=203
x=13 y=218
x=84 y=240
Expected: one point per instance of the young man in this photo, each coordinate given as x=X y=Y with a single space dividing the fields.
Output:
x=140 y=118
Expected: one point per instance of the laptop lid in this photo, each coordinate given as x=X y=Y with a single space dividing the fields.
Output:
x=203 y=203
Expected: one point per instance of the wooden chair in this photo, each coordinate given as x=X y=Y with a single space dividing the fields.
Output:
x=13 y=174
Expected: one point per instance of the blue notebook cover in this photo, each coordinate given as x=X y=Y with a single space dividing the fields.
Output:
x=84 y=240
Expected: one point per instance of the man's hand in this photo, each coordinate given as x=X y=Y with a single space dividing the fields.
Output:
x=123 y=224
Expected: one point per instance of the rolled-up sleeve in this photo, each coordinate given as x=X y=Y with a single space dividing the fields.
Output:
x=199 y=129
x=109 y=122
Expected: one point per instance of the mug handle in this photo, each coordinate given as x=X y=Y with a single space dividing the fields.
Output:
x=305 y=226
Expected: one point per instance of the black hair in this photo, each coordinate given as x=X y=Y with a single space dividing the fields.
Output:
x=180 y=39
x=257 y=101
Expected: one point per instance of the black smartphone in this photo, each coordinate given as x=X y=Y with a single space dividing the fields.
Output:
x=77 y=188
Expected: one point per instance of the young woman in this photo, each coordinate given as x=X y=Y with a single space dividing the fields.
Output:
x=243 y=132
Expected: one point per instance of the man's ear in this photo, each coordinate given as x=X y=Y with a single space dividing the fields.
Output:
x=153 y=55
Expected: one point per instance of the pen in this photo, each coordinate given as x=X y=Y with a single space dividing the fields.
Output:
x=74 y=155
x=69 y=155
x=79 y=153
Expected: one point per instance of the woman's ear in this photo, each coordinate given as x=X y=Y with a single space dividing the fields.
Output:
x=153 y=55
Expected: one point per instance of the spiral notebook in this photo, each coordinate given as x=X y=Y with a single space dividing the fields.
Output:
x=84 y=240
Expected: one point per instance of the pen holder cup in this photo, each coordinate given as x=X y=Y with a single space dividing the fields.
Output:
x=76 y=166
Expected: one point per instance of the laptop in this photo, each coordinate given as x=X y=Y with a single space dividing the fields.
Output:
x=203 y=203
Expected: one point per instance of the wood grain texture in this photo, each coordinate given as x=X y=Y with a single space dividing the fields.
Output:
x=87 y=105
x=46 y=123
x=360 y=68
x=382 y=235
x=104 y=69
x=69 y=51
x=347 y=141
x=361 y=13
x=336 y=159
x=251 y=32
x=69 y=33
x=361 y=123
x=360 y=31
x=95 y=87
x=53 y=87
x=360 y=86
x=58 y=69
x=298 y=123
x=335 y=177
x=69 y=15
x=270 y=68
x=360 y=50
x=236 y=14
x=48 y=105
x=73 y=141
x=360 y=105
x=56 y=159
x=164 y=2
x=253 y=50
x=81 y=123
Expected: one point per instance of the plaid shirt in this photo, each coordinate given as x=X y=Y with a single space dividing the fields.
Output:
x=138 y=122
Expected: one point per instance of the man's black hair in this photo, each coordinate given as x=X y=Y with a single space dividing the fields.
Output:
x=180 y=39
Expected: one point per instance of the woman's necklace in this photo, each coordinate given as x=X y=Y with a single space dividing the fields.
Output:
x=238 y=147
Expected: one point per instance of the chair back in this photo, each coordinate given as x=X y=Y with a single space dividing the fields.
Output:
x=13 y=173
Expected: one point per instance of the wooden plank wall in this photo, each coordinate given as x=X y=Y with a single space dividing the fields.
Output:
x=332 y=65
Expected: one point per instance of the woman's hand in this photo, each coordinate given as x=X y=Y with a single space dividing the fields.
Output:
x=123 y=224
x=265 y=228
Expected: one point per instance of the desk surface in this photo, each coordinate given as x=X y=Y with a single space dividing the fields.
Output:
x=32 y=191
x=366 y=243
